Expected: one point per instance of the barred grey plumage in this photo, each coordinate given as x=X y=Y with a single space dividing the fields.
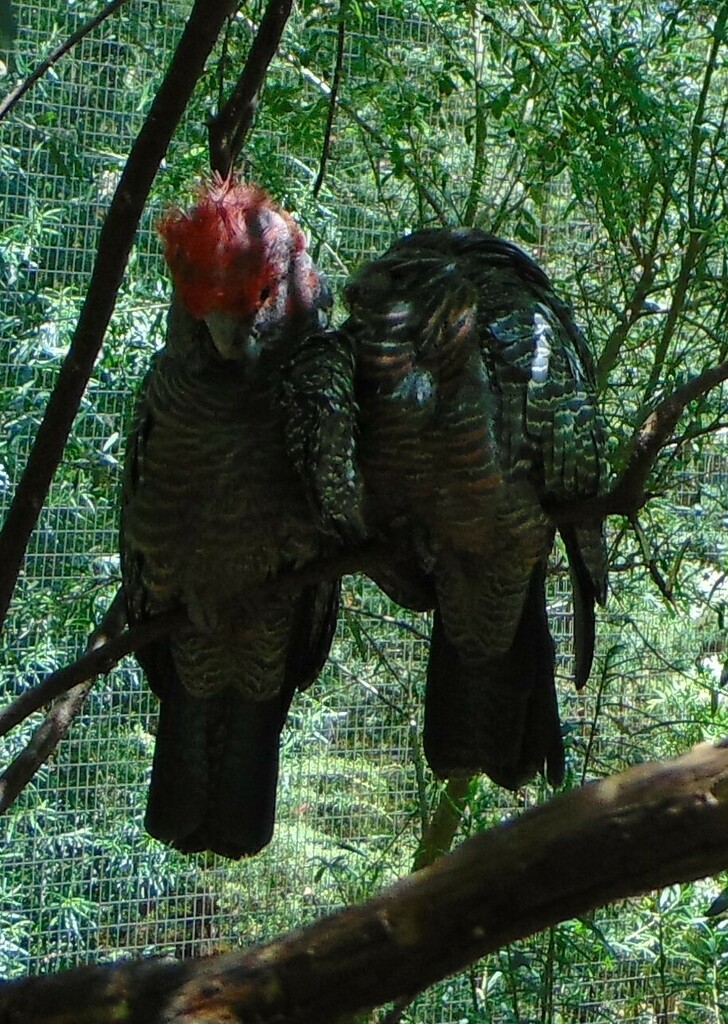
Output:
x=211 y=510
x=477 y=408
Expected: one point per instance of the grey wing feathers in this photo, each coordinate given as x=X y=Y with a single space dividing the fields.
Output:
x=478 y=410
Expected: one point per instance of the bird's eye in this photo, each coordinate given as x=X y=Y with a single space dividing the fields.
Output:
x=265 y=293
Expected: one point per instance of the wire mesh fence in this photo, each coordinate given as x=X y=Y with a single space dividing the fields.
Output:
x=81 y=881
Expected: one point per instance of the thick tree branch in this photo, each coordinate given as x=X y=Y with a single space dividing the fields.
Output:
x=650 y=826
x=228 y=129
x=117 y=235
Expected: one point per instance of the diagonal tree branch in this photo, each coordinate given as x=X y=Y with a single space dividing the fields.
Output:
x=109 y=643
x=653 y=434
x=107 y=647
x=653 y=825
x=117 y=235
x=628 y=494
x=227 y=131
x=44 y=741
x=16 y=94
x=58 y=720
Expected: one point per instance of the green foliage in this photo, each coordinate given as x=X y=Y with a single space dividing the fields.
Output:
x=596 y=136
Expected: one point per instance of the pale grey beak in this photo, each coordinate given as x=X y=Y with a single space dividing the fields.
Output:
x=233 y=336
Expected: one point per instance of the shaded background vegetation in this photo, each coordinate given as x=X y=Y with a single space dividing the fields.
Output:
x=595 y=135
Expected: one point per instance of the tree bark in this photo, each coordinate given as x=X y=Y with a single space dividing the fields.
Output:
x=651 y=826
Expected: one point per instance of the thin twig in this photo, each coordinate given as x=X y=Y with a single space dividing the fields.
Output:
x=117 y=236
x=7 y=104
x=389 y=620
x=368 y=131
x=650 y=561
x=333 y=97
x=698 y=235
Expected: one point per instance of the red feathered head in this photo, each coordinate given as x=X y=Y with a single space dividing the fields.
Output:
x=236 y=251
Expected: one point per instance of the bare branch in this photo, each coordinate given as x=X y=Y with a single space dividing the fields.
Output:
x=629 y=495
x=227 y=131
x=98 y=660
x=333 y=96
x=13 y=97
x=651 y=826
x=108 y=645
x=58 y=720
x=44 y=741
x=117 y=235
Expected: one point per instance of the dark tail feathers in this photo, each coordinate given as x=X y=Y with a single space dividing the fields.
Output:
x=215 y=772
x=498 y=716
x=587 y=557
x=215 y=769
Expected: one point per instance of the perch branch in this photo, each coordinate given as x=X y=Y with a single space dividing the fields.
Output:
x=58 y=720
x=42 y=744
x=117 y=235
x=16 y=94
x=100 y=657
x=108 y=645
x=651 y=826
x=228 y=129
x=628 y=495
